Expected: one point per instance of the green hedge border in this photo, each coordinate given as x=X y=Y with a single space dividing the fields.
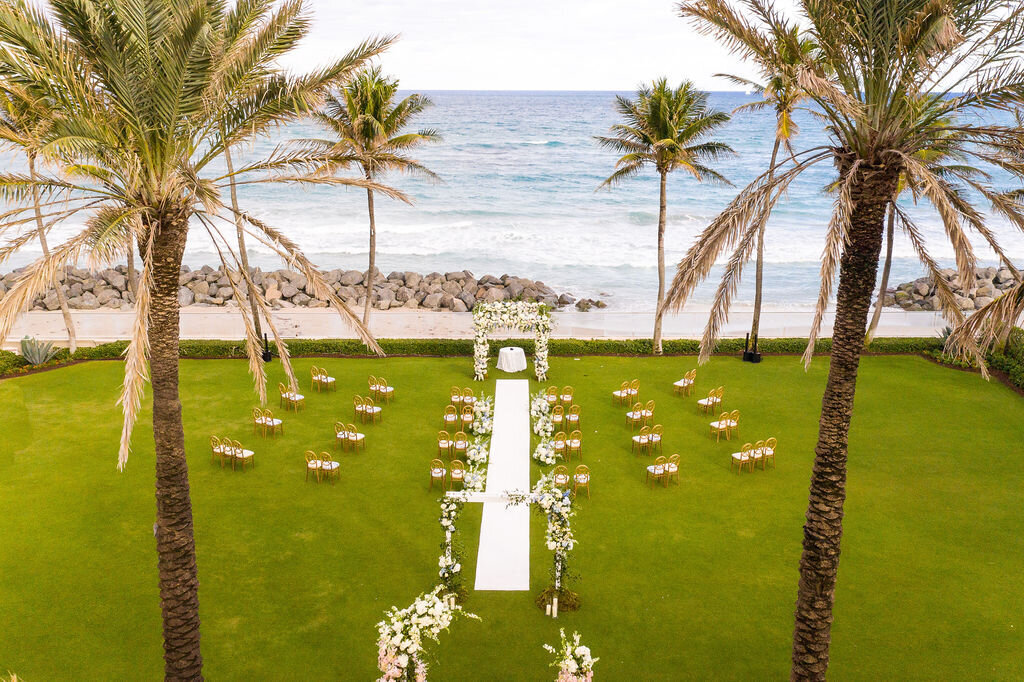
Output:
x=12 y=364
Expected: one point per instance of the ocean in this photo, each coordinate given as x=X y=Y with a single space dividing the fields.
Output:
x=520 y=172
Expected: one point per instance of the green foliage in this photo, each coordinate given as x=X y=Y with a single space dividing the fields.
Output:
x=9 y=362
x=37 y=352
x=1011 y=359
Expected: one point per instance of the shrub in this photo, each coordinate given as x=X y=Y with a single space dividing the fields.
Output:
x=37 y=352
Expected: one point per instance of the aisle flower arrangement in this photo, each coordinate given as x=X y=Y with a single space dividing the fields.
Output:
x=401 y=635
x=556 y=505
x=523 y=316
x=540 y=414
x=483 y=416
x=450 y=564
x=573 y=659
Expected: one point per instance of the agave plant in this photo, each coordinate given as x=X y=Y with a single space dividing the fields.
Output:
x=37 y=352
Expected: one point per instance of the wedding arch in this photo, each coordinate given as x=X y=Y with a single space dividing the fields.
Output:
x=521 y=315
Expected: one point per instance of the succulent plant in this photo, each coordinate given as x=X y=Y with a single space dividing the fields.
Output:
x=37 y=352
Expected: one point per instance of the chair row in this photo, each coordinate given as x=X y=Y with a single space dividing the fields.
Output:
x=380 y=390
x=648 y=440
x=322 y=466
x=686 y=384
x=751 y=454
x=580 y=478
x=454 y=419
x=462 y=396
x=365 y=408
x=565 y=395
x=727 y=423
x=627 y=393
x=227 y=449
x=663 y=470
x=347 y=436
x=450 y=445
x=447 y=479
x=567 y=446
x=640 y=415
x=290 y=400
x=713 y=401
x=321 y=381
x=560 y=418
x=263 y=422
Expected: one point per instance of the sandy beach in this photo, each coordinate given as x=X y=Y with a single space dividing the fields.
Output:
x=102 y=326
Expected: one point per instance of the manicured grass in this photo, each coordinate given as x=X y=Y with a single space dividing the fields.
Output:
x=690 y=581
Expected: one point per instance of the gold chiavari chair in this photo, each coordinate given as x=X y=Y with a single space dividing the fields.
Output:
x=272 y=425
x=467 y=397
x=359 y=408
x=374 y=412
x=290 y=400
x=355 y=439
x=685 y=385
x=734 y=423
x=321 y=381
x=648 y=413
x=656 y=471
x=561 y=477
x=458 y=474
x=371 y=383
x=558 y=416
x=713 y=401
x=257 y=421
x=240 y=455
x=559 y=444
x=672 y=468
x=450 y=418
x=768 y=452
x=621 y=396
x=720 y=426
x=657 y=431
x=438 y=473
x=467 y=416
x=567 y=395
x=635 y=417
x=574 y=445
x=745 y=457
x=551 y=395
x=328 y=467
x=459 y=444
x=642 y=441
x=444 y=444
x=219 y=449
x=572 y=419
x=340 y=435
x=456 y=396
x=312 y=464
x=581 y=479
x=385 y=392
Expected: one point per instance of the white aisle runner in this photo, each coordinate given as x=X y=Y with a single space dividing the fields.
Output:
x=503 y=562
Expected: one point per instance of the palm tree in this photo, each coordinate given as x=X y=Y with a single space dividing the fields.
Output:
x=883 y=59
x=667 y=129
x=23 y=124
x=368 y=124
x=143 y=100
x=780 y=91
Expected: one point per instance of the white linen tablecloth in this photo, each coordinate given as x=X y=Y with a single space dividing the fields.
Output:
x=511 y=359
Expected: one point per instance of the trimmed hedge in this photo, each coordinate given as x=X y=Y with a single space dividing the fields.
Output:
x=11 y=363
x=1011 y=359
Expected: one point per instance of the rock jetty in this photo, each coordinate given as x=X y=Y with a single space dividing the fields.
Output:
x=921 y=294
x=456 y=291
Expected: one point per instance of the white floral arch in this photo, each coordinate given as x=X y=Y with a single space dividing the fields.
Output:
x=522 y=315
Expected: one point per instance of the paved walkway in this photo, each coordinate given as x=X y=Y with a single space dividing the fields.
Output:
x=503 y=562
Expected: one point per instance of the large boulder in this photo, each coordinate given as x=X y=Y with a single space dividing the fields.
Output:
x=351 y=278
x=982 y=301
x=113 y=278
x=404 y=294
x=288 y=290
x=467 y=299
x=459 y=306
x=412 y=279
x=200 y=288
x=433 y=301
x=451 y=287
x=515 y=289
x=84 y=302
x=921 y=288
x=495 y=294
x=108 y=295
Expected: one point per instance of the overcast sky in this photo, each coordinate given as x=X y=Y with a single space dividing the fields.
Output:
x=522 y=45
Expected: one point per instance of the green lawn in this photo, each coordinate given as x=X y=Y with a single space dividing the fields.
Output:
x=694 y=581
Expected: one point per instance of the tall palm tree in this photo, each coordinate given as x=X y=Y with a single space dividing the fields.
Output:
x=667 y=129
x=780 y=91
x=368 y=126
x=23 y=124
x=144 y=100
x=883 y=57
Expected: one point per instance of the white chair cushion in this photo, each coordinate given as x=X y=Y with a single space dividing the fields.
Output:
x=468 y=399
x=389 y=389
x=457 y=474
x=647 y=413
x=655 y=438
x=575 y=443
x=559 y=445
x=373 y=409
x=356 y=436
x=620 y=394
x=244 y=454
x=437 y=473
x=684 y=382
x=444 y=443
x=461 y=444
x=342 y=435
x=572 y=417
x=314 y=464
x=633 y=415
x=740 y=456
x=360 y=408
x=274 y=422
x=330 y=466
x=581 y=478
x=640 y=439
x=656 y=469
x=769 y=451
x=561 y=479
x=672 y=468
x=451 y=417
x=719 y=425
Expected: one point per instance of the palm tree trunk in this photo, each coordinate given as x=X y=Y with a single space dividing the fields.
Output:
x=373 y=257
x=175 y=543
x=62 y=300
x=884 y=286
x=243 y=255
x=819 y=562
x=659 y=311
x=755 y=325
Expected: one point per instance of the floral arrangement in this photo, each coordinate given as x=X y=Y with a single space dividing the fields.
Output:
x=483 y=416
x=449 y=565
x=401 y=635
x=540 y=413
x=521 y=315
x=556 y=505
x=573 y=659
